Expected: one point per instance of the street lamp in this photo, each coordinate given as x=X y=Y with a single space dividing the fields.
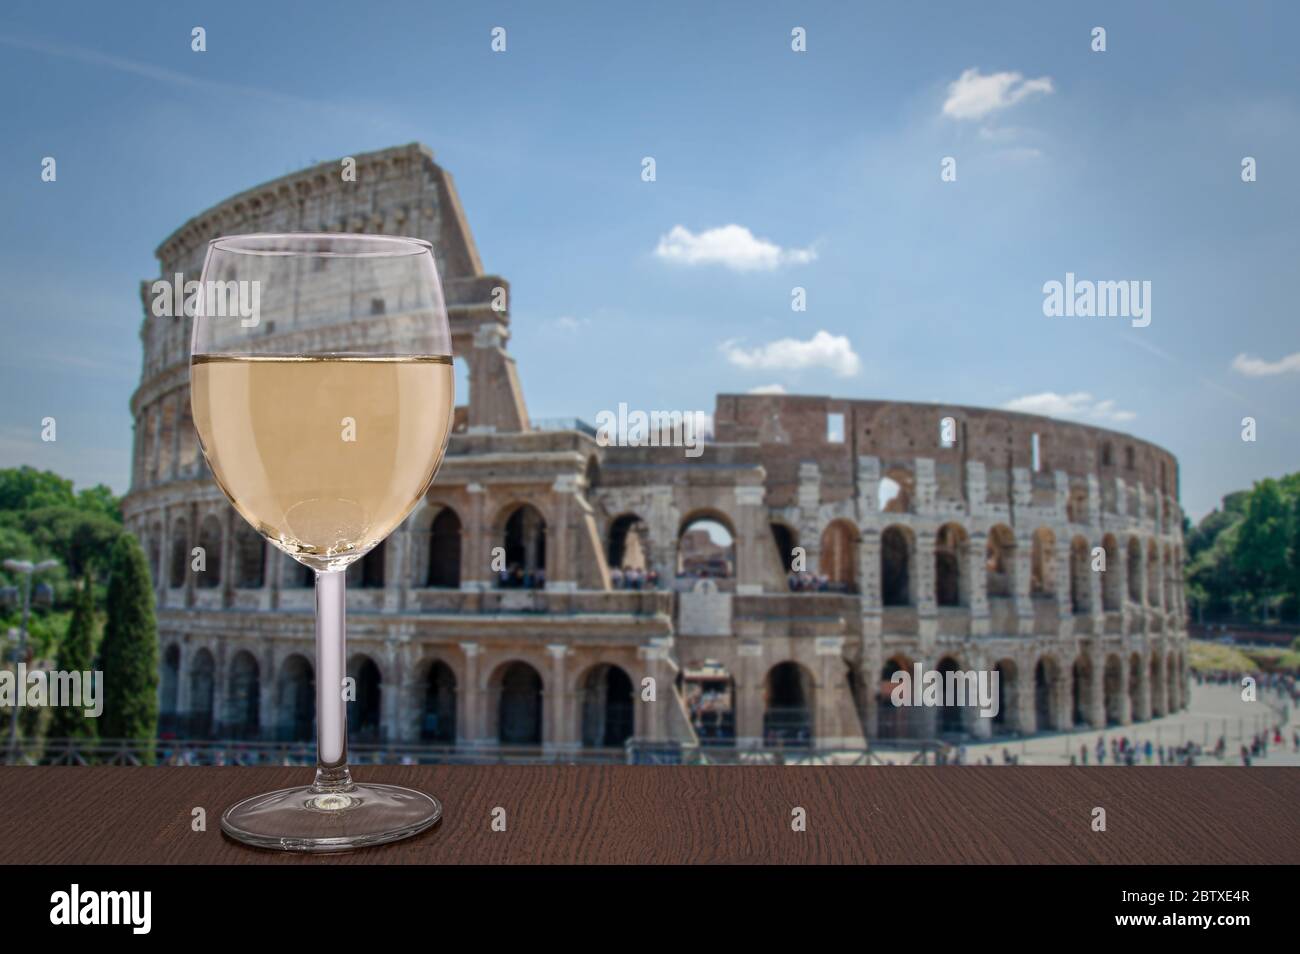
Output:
x=28 y=569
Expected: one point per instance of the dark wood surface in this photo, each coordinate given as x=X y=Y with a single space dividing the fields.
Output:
x=689 y=815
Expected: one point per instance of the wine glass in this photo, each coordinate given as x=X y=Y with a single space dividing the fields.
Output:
x=322 y=388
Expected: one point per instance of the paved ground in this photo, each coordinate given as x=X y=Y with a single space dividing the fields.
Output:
x=1214 y=711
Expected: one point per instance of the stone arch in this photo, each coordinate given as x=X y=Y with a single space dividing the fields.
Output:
x=895 y=566
x=517 y=688
x=370 y=572
x=1080 y=576
x=295 y=700
x=1134 y=570
x=179 y=560
x=1113 y=690
x=710 y=693
x=523 y=536
x=893 y=722
x=202 y=677
x=365 y=710
x=169 y=686
x=951 y=583
x=1047 y=694
x=788 y=705
x=949 y=719
x=250 y=558
x=438 y=704
x=442 y=564
x=1112 y=580
x=154 y=549
x=1000 y=562
x=1167 y=575
x=1173 y=700
x=243 y=697
x=629 y=543
x=1081 y=690
x=210 y=540
x=1153 y=574
x=607 y=706
x=786 y=538
x=1042 y=570
x=706 y=546
x=295 y=575
x=1007 y=719
x=839 y=555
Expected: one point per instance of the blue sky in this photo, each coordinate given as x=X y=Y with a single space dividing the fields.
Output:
x=1123 y=165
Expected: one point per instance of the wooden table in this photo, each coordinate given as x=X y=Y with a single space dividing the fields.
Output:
x=689 y=815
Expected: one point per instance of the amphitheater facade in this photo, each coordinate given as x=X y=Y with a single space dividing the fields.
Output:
x=500 y=615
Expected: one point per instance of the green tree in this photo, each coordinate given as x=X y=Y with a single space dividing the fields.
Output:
x=77 y=654
x=79 y=539
x=26 y=488
x=100 y=499
x=1259 y=554
x=129 y=653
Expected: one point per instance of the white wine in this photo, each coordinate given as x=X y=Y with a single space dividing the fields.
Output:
x=324 y=455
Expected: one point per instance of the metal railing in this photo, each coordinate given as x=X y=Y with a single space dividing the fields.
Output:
x=179 y=752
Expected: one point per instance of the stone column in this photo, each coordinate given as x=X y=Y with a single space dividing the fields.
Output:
x=1025 y=696
x=391 y=690
x=476 y=572
x=471 y=714
x=396 y=561
x=183 y=686
x=266 y=684
x=558 y=719
x=923 y=573
x=749 y=696
x=1126 y=702
x=1022 y=560
x=1096 y=702
x=828 y=694
x=192 y=527
x=1143 y=712
x=977 y=594
x=229 y=570
x=749 y=537
x=561 y=564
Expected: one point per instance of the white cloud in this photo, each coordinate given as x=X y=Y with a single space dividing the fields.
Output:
x=975 y=95
x=733 y=246
x=1259 y=368
x=822 y=350
x=1079 y=404
x=570 y=323
x=768 y=389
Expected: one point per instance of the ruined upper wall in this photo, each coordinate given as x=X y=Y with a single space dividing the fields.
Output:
x=792 y=429
x=397 y=191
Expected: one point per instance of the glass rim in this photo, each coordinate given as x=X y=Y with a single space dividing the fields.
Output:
x=281 y=244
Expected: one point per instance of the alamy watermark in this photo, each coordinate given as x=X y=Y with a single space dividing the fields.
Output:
x=1081 y=298
x=234 y=299
x=53 y=687
x=625 y=428
x=953 y=688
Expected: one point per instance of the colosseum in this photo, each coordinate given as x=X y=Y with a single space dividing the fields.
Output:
x=769 y=587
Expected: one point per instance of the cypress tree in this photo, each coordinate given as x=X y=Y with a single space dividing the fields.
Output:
x=129 y=654
x=77 y=654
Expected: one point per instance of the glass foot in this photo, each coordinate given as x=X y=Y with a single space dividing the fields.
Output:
x=314 y=819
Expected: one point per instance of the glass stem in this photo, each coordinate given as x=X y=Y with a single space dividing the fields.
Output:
x=332 y=773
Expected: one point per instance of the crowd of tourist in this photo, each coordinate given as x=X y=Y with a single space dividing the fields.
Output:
x=634 y=578
x=515 y=577
x=805 y=582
